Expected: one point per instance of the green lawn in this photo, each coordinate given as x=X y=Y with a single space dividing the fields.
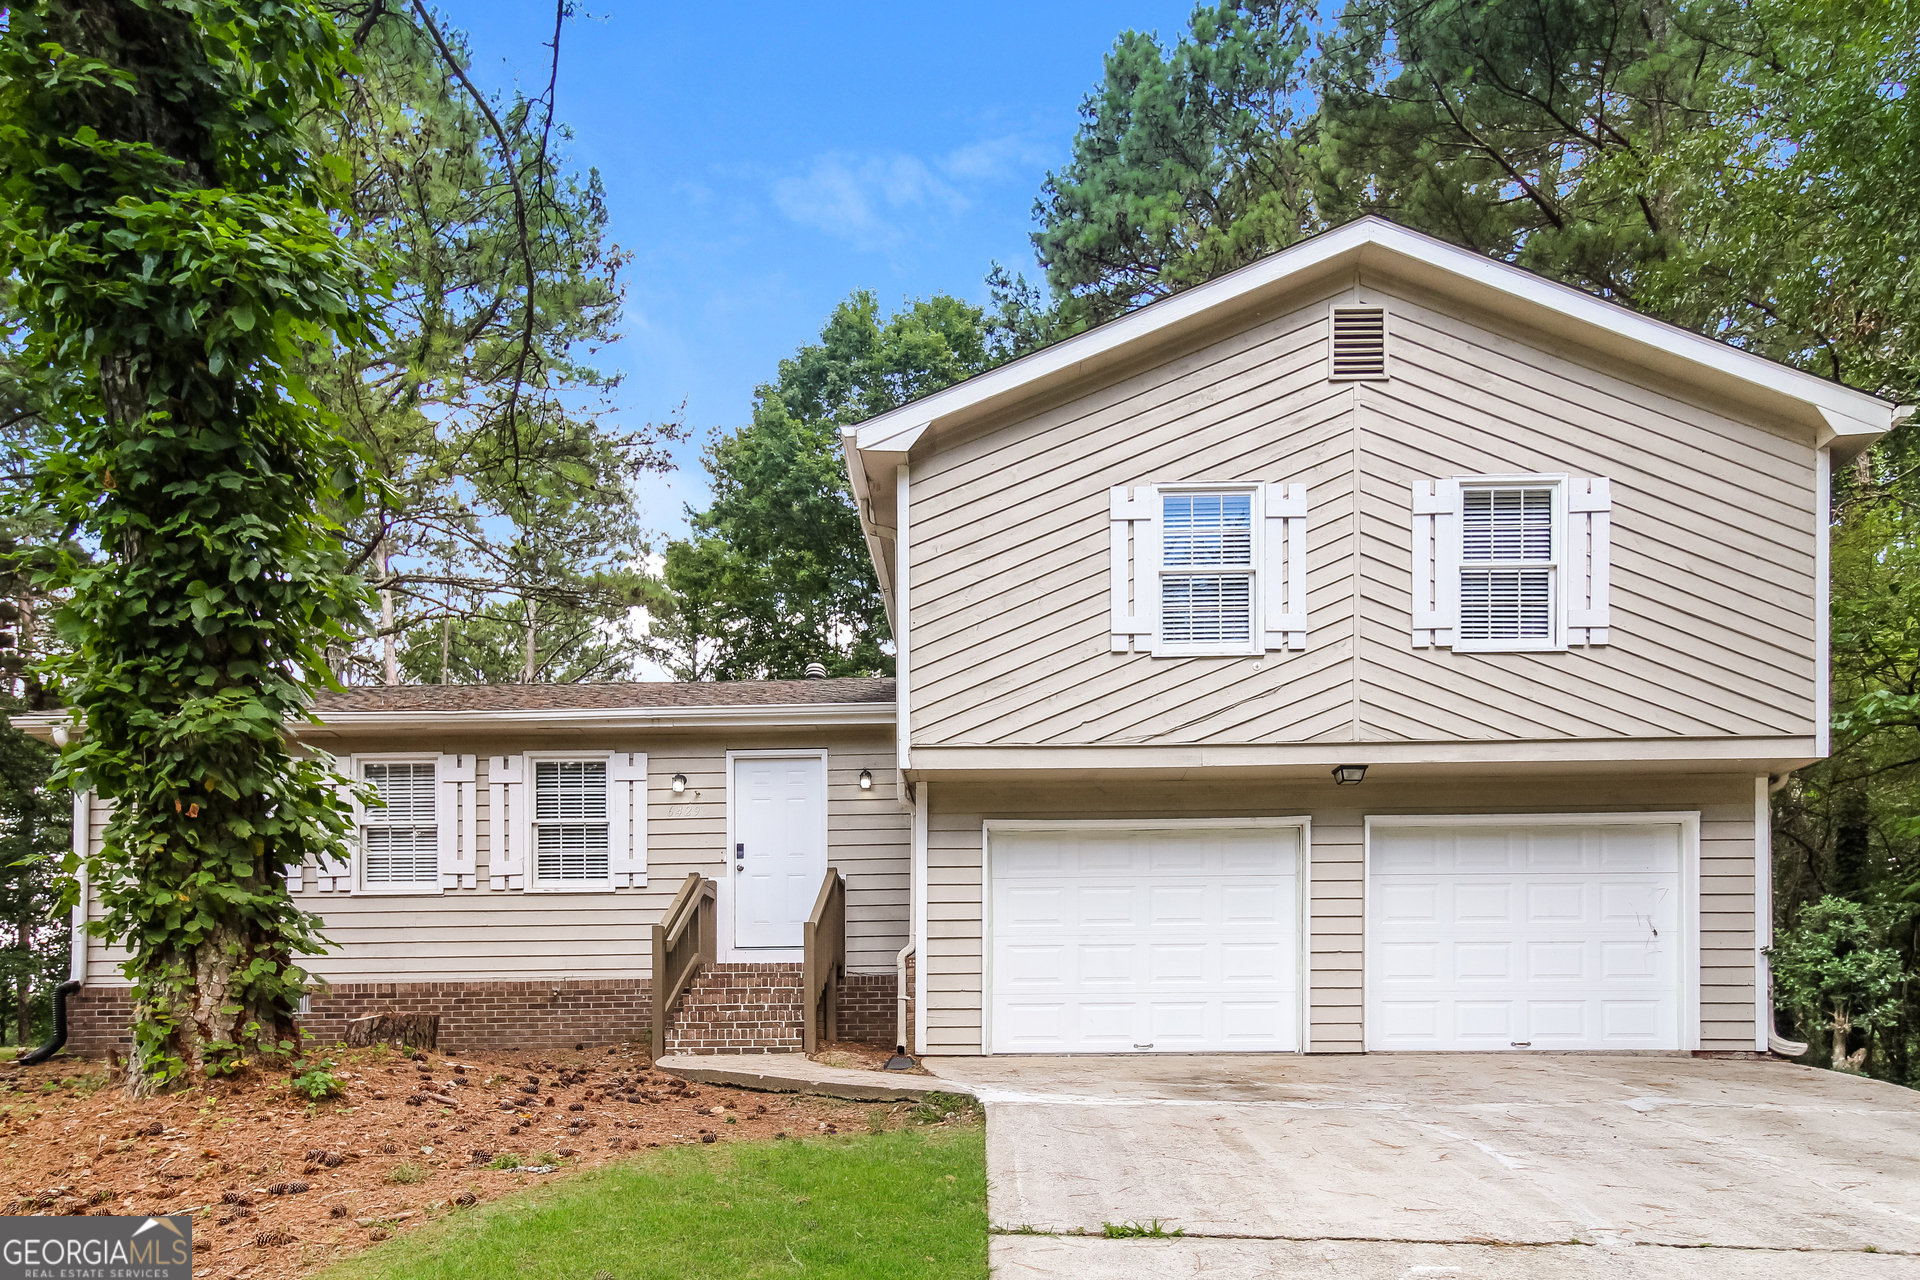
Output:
x=908 y=1203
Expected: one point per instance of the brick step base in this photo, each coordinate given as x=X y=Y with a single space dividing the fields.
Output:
x=739 y=1008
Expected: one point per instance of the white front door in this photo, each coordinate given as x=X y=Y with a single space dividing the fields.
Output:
x=1176 y=939
x=1524 y=937
x=780 y=846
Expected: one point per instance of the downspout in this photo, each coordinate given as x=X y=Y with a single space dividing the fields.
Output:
x=1766 y=789
x=901 y=1060
x=82 y=834
x=918 y=894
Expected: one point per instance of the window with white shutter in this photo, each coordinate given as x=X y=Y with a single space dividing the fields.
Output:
x=1208 y=569
x=570 y=830
x=399 y=843
x=1510 y=562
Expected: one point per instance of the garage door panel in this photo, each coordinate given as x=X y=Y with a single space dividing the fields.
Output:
x=1485 y=939
x=1164 y=940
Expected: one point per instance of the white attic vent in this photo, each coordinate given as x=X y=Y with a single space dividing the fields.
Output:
x=1359 y=343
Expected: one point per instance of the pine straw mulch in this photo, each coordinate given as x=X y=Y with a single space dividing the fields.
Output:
x=280 y=1187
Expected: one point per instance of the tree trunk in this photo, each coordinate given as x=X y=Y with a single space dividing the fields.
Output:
x=526 y=672
x=1842 y=1025
x=386 y=619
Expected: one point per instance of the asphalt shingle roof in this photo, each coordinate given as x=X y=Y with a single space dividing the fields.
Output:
x=615 y=696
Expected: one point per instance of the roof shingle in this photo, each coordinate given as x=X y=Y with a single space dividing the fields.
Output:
x=612 y=696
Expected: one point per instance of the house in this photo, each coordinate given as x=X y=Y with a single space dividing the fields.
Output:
x=1376 y=648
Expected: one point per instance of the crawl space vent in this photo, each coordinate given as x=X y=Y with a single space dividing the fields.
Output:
x=1359 y=342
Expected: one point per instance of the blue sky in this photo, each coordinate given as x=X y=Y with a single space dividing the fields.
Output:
x=763 y=161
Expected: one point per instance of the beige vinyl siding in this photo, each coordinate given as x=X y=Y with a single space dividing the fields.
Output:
x=1336 y=907
x=1712 y=564
x=509 y=935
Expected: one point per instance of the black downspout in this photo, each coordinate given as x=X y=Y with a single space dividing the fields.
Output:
x=53 y=1046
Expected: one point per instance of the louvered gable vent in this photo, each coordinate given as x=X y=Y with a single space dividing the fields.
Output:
x=1359 y=343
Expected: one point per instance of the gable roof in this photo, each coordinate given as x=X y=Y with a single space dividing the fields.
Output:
x=1837 y=415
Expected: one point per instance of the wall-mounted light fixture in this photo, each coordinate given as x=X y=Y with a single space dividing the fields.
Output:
x=679 y=783
x=60 y=735
x=866 y=779
x=1348 y=775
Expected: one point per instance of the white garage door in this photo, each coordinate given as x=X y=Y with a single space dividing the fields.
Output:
x=1174 y=939
x=1524 y=936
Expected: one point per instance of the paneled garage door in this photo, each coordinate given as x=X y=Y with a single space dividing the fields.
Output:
x=1171 y=939
x=1524 y=936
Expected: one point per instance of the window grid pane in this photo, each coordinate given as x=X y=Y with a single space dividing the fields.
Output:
x=1206 y=609
x=408 y=792
x=572 y=851
x=1506 y=524
x=401 y=855
x=1506 y=604
x=569 y=790
x=569 y=795
x=1205 y=530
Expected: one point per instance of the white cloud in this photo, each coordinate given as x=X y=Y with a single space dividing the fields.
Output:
x=858 y=199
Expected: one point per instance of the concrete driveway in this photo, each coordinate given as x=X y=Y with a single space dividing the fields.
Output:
x=1450 y=1167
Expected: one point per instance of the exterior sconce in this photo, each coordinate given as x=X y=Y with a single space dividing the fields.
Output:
x=60 y=735
x=679 y=783
x=1349 y=775
x=866 y=779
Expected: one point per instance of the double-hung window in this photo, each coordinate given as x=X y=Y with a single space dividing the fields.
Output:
x=400 y=838
x=1508 y=561
x=1511 y=563
x=1206 y=571
x=570 y=825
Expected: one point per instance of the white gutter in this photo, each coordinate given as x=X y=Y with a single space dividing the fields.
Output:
x=902 y=634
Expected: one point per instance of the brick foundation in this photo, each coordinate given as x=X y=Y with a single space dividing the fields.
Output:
x=732 y=1008
x=473 y=1015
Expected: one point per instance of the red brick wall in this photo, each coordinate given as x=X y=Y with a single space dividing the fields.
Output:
x=746 y=1008
x=473 y=1015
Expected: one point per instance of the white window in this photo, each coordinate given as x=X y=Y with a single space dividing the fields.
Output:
x=1511 y=563
x=1208 y=569
x=570 y=821
x=400 y=838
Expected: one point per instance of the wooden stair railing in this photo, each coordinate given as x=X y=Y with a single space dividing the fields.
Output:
x=825 y=936
x=683 y=940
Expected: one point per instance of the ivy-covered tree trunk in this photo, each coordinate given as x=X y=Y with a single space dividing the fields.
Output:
x=176 y=263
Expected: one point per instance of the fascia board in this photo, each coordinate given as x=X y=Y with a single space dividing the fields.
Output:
x=573 y=720
x=1501 y=287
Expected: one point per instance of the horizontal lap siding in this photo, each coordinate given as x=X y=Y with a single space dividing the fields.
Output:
x=1010 y=555
x=1711 y=568
x=1712 y=563
x=1336 y=872
x=481 y=934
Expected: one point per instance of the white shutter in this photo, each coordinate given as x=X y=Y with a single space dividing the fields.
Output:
x=296 y=878
x=1283 y=571
x=1436 y=562
x=507 y=822
x=1133 y=600
x=1589 y=550
x=627 y=819
x=454 y=805
x=337 y=877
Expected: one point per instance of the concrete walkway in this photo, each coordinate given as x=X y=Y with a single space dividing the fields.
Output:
x=1459 y=1166
x=797 y=1073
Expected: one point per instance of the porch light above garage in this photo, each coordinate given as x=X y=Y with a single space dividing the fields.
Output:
x=1348 y=775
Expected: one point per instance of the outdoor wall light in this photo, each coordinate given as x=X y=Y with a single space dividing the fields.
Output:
x=1347 y=775
x=679 y=783
x=866 y=779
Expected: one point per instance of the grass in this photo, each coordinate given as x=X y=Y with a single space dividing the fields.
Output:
x=862 y=1207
